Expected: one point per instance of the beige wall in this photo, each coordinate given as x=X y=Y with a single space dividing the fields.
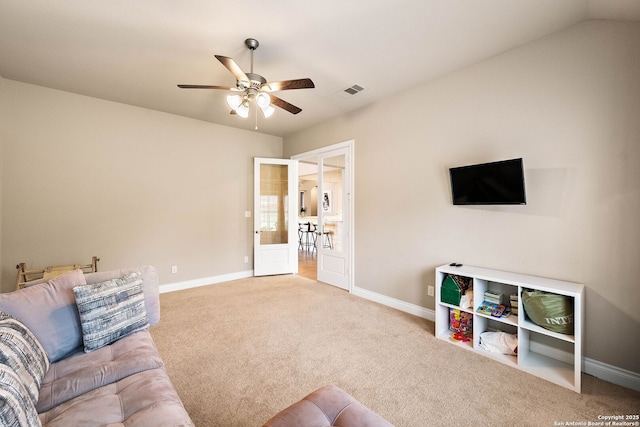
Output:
x=569 y=104
x=84 y=177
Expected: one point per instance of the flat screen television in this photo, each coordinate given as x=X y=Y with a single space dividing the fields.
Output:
x=496 y=183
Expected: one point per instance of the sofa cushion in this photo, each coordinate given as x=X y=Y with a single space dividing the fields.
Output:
x=141 y=400
x=16 y=408
x=111 y=310
x=22 y=352
x=83 y=372
x=49 y=311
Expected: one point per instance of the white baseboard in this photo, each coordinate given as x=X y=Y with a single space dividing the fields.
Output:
x=610 y=373
x=416 y=310
x=188 y=284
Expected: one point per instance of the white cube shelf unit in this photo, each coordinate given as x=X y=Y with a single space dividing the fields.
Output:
x=549 y=355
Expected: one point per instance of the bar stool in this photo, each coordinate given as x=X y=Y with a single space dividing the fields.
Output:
x=326 y=239
x=313 y=233
x=301 y=232
x=306 y=236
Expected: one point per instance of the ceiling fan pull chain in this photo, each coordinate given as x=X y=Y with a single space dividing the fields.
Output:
x=256 y=118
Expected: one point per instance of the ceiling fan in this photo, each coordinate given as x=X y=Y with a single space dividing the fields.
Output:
x=253 y=87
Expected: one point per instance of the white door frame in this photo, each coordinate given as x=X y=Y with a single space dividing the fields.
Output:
x=349 y=145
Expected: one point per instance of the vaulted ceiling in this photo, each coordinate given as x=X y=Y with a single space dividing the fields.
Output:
x=136 y=52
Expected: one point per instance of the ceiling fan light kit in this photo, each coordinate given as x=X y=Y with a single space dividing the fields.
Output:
x=263 y=99
x=267 y=111
x=234 y=101
x=253 y=88
x=239 y=105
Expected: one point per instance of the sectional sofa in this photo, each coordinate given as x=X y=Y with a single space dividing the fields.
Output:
x=75 y=350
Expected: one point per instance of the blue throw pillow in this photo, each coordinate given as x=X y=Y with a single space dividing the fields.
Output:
x=49 y=311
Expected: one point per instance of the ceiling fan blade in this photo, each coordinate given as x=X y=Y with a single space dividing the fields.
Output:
x=232 y=66
x=203 y=87
x=288 y=85
x=284 y=105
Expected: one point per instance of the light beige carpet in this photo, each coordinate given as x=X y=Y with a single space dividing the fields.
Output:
x=239 y=352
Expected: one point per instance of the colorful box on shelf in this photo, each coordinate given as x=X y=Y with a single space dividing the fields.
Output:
x=461 y=322
x=492 y=309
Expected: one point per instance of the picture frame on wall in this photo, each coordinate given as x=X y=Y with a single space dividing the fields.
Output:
x=327 y=201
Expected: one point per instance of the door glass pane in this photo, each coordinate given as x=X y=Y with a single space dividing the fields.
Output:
x=331 y=204
x=274 y=198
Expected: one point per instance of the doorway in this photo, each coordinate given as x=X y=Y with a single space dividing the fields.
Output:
x=325 y=208
x=308 y=211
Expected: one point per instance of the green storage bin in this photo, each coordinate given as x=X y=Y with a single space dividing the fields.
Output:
x=450 y=292
x=550 y=311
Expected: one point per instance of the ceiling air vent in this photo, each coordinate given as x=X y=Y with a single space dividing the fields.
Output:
x=354 y=89
x=350 y=91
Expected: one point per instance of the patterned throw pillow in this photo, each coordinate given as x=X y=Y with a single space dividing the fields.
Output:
x=16 y=408
x=111 y=310
x=21 y=351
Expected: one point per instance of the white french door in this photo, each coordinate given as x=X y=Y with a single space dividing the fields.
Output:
x=275 y=240
x=330 y=210
x=334 y=217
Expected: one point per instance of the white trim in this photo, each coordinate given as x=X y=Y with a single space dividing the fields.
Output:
x=188 y=284
x=416 y=310
x=344 y=144
x=612 y=374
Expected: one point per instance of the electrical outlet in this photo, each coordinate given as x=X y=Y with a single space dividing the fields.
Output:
x=246 y=259
x=430 y=290
x=247 y=214
x=174 y=269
